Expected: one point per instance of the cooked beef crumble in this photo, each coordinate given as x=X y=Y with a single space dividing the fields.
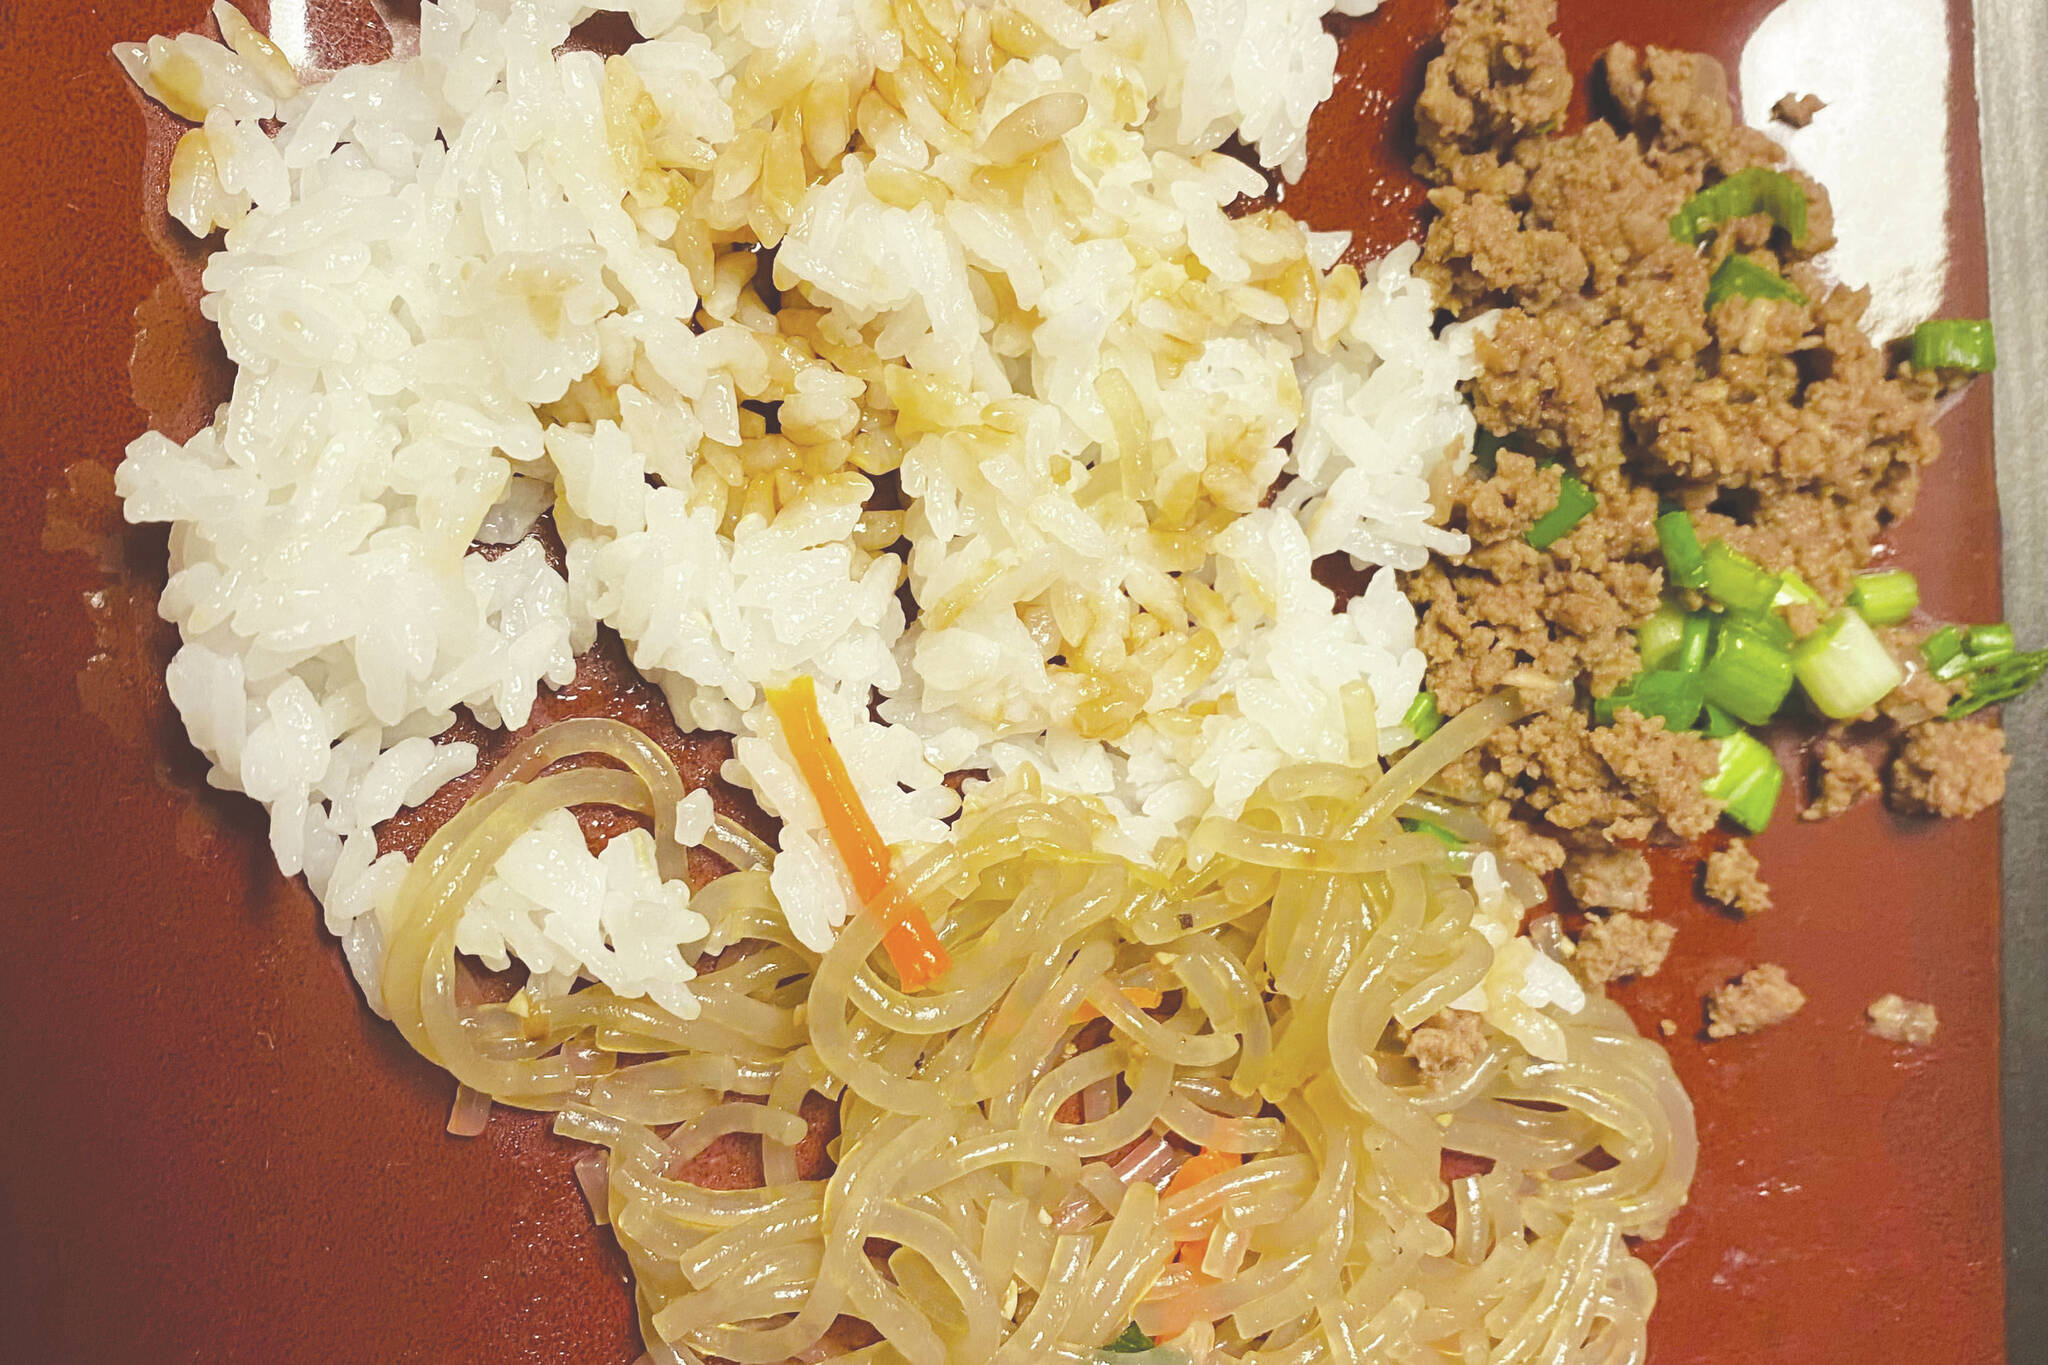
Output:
x=1731 y=878
x=1759 y=998
x=1777 y=423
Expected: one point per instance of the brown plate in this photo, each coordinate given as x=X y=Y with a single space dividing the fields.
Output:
x=213 y=1152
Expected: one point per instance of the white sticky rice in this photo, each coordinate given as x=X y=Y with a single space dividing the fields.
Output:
x=1113 y=427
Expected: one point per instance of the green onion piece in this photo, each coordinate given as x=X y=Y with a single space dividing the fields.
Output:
x=1990 y=642
x=1720 y=724
x=1658 y=639
x=1748 y=676
x=1738 y=582
x=1960 y=665
x=2000 y=681
x=1739 y=277
x=1433 y=829
x=1574 y=502
x=1130 y=1342
x=1422 y=717
x=1955 y=344
x=1887 y=598
x=1755 y=190
x=1844 y=667
x=1792 y=589
x=1677 y=697
x=1684 y=562
x=1748 y=781
x=1695 y=642
x=1942 y=646
x=1771 y=626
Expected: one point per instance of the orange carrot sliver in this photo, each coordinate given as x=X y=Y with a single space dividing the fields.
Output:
x=1144 y=997
x=1203 y=1165
x=919 y=957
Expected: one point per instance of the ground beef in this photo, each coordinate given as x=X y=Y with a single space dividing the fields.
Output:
x=1609 y=879
x=1760 y=997
x=1731 y=879
x=1950 y=768
x=1797 y=111
x=1778 y=424
x=1845 y=778
x=1899 y=1020
x=1447 y=1042
x=1922 y=696
x=1616 y=946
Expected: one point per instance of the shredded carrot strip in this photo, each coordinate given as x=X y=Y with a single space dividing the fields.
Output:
x=914 y=948
x=1200 y=1167
x=1144 y=997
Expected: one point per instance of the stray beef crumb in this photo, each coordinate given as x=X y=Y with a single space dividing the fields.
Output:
x=1899 y=1020
x=1759 y=998
x=1609 y=879
x=1846 y=777
x=1618 y=946
x=1447 y=1042
x=1732 y=880
x=1950 y=768
x=1668 y=1027
x=1796 y=111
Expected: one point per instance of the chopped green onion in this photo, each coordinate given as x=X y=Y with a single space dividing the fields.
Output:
x=1658 y=639
x=1955 y=344
x=1443 y=836
x=1748 y=676
x=1677 y=697
x=1748 y=781
x=1771 y=626
x=1739 y=277
x=1684 y=562
x=1574 y=502
x=1694 y=643
x=1990 y=642
x=1844 y=667
x=1742 y=194
x=1792 y=589
x=1942 y=647
x=1887 y=598
x=2000 y=681
x=1422 y=717
x=1720 y=724
x=1959 y=665
x=1738 y=582
x=1130 y=1342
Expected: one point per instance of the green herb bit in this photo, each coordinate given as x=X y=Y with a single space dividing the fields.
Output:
x=1685 y=563
x=1720 y=724
x=1738 y=582
x=1990 y=642
x=1756 y=190
x=1998 y=682
x=1748 y=675
x=1955 y=344
x=1131 y=1341
x=1675 y=697
x=1739 y=277
x=1794 y=590
x=1886 y=598
x=1844 y=667
x=1422 y=716
x=1418 y=825
x=1575 y=502
x=1748 y=782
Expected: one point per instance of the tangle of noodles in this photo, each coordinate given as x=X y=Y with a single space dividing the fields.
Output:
x=973 y=1213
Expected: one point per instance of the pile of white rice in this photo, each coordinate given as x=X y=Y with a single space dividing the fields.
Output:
x=489 y=278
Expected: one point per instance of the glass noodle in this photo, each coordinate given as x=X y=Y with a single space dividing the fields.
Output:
x=1002 y=1187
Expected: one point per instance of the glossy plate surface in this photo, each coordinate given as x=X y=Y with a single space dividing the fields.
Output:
x=211 y=1151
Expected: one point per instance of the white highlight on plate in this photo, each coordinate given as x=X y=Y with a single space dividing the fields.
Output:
x=1880 y=146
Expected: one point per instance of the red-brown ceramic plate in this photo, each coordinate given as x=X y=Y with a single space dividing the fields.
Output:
x=211 y=1151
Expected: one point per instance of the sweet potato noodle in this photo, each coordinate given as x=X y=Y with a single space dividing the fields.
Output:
x=1001 y=1189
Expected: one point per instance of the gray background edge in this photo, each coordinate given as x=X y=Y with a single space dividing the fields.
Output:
x=2012 y=40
